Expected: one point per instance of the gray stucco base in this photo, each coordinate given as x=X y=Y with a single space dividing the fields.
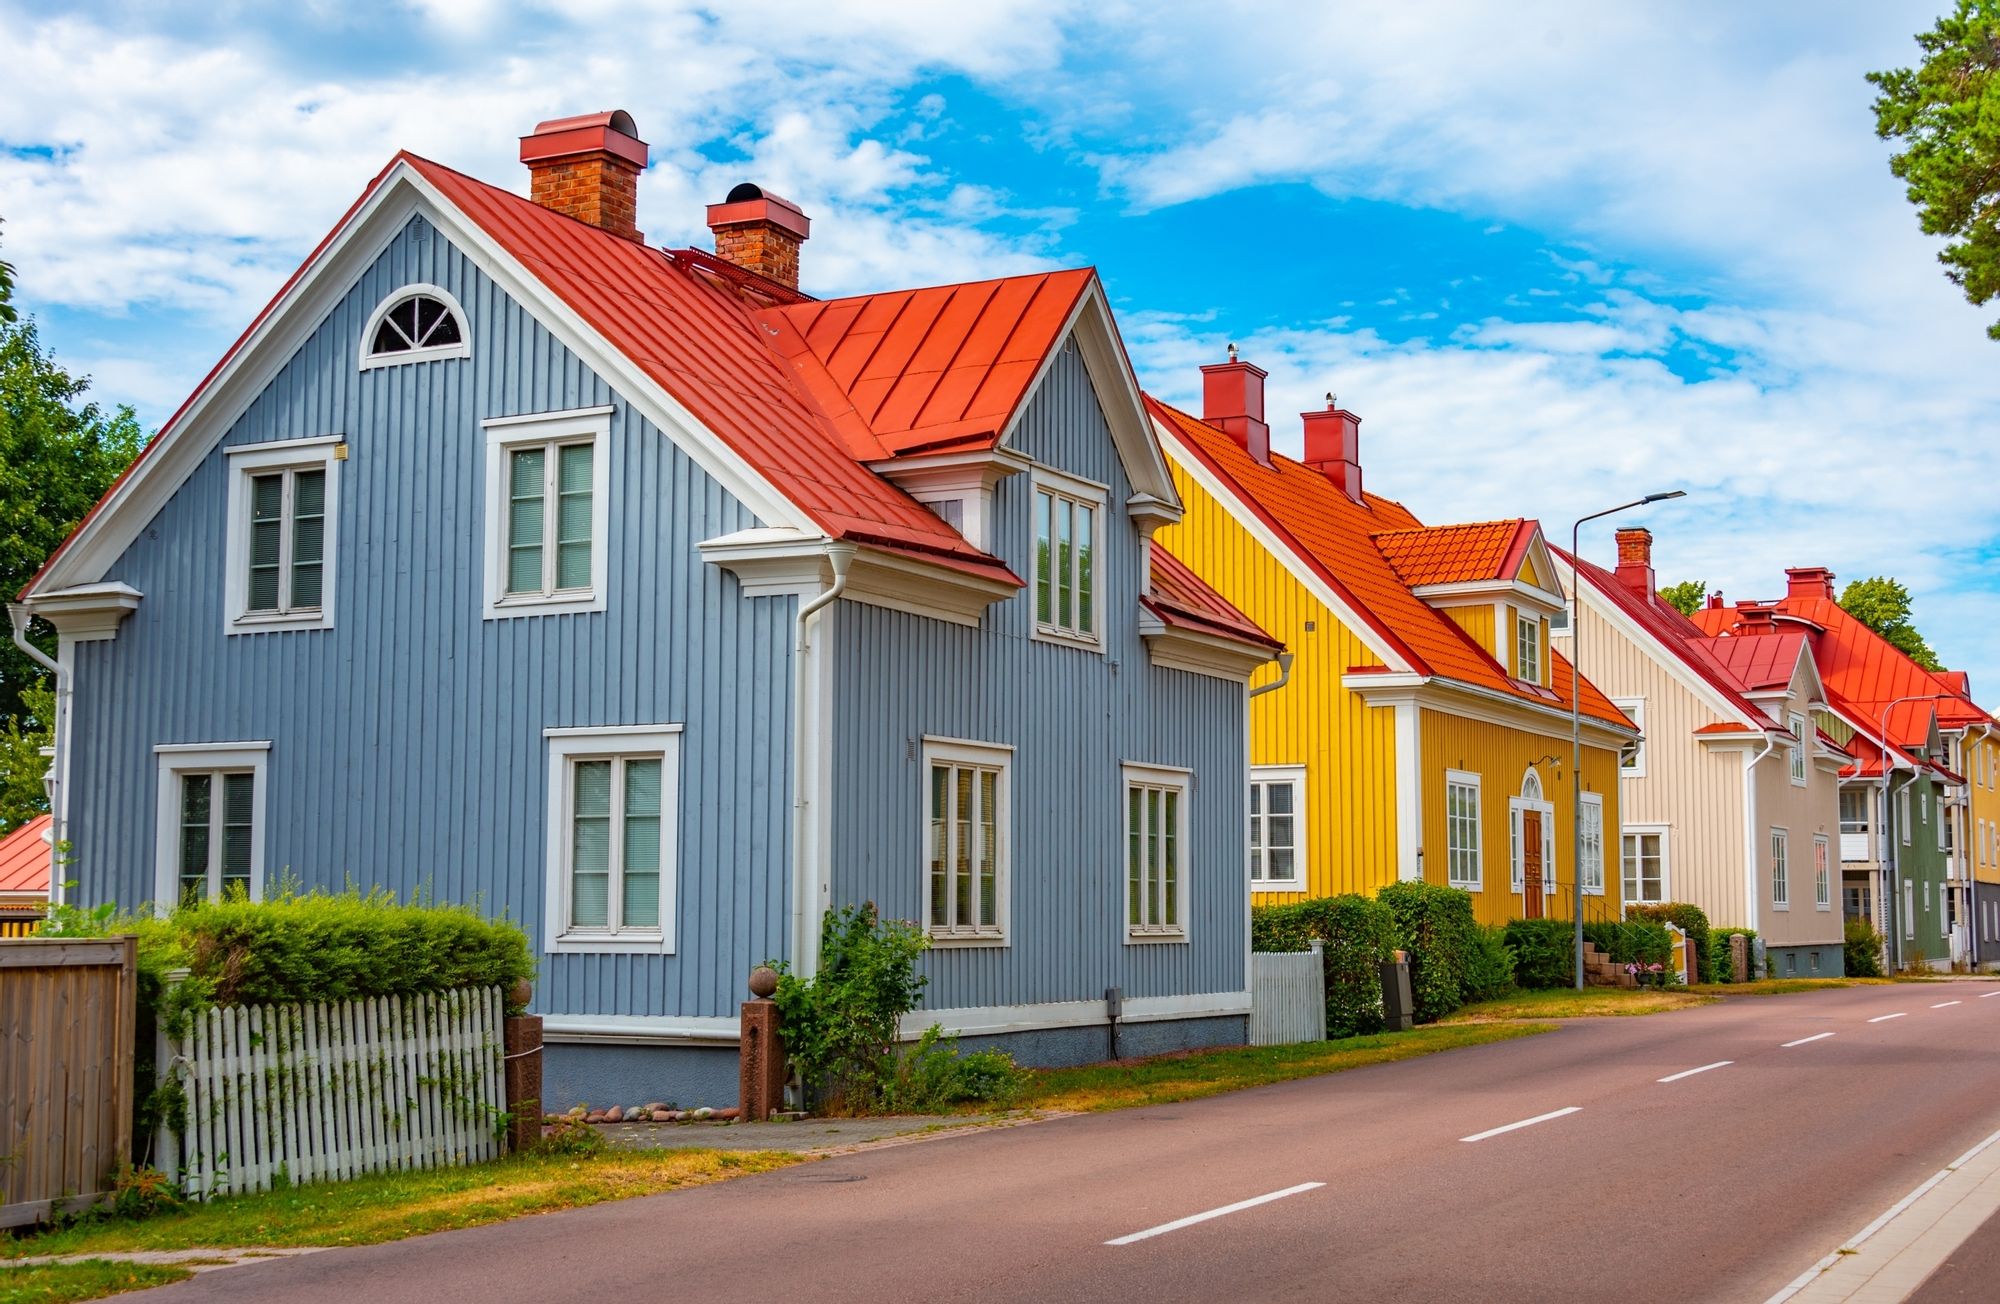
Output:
x=596 y=1074
x=599 y=1075
x=1797 y=961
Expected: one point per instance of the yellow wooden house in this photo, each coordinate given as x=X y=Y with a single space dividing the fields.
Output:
x=1425 y=729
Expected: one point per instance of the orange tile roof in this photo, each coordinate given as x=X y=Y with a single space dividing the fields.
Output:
x=1181 y=598
x=1449 y=554
x=24 y=859
x=1335 y=536
x=912 y=370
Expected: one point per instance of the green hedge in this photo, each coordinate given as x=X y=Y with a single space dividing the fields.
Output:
x=1863 y=948
x=1690 y=919
x=1636 y=941
x=1544 y=952
x=1447 y=953
x=1356 y=935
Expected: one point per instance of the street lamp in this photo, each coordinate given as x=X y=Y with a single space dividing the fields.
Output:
x=1576 y=704
x=1892 y=878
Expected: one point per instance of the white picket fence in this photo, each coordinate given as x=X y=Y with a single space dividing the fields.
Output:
x=1287 y=997
x=331 y=1091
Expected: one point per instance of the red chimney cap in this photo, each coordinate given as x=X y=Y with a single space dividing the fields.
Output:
x=612 y=131
x=752 y=203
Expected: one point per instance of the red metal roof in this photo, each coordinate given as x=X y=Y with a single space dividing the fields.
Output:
x=1183 y=599
x=913 y=370
x=1759 y=663
x=24 y=859
x=1449 y=554
x=1336 y=537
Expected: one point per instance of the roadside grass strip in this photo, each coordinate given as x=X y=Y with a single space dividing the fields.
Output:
x=1526 y=1122
x=1884 y=1018
x=1817 y=1036
x=1225 y=1210
x=391 y=1206
x=59 y=1283
x=1888 y=1216
x=1564 y=1003
x=1688 y=1073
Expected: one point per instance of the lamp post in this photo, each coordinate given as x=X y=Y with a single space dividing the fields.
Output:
x=1576 y=705
x=1892 y=877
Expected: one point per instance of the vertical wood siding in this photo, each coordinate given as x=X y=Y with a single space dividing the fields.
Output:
x=1073 y=717
x=1347 y=747
x=1802 y=813
x=1501 y=757
x=406 y=743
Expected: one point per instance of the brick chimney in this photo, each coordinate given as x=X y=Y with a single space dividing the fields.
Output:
x=1754 y=618
x=1715 y=600
x=1333 y=446
x=1635 y=561
x=588 y=168
x=1232 y=400
x=760 y=232
x=1809 y=582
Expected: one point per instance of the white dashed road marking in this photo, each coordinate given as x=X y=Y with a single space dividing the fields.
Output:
x=1526 y=1122
x=1884 y=1018
x=1941 y=1004
x=1194 y=1218
x=1817 y=1036
x=1688 y=1073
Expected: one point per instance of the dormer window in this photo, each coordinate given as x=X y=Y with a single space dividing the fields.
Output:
x=1528 y=649
x=418 y=323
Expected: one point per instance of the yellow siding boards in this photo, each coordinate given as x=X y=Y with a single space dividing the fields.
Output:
x=1477 y=622
x=1501 y=757
x=1348 y=749
x=1528 y=573
x=1982 y=761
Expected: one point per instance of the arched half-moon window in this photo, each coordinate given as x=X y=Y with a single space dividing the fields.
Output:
x=418 y=323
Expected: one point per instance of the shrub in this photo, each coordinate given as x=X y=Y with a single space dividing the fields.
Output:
x=841 y=1024
x=1489 y=970
x=1356 y=935
x=1544 y=952
x=1863 y=949
x=1690 y=919
x=570 y=1135
x=142 y=1192
x=934 y=1075
x=1720 y=968
x=1435 y=925
x=1631 y=942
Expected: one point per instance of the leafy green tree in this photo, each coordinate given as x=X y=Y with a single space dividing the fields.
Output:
x=7 y=313
x=1685 y=597
x=1883 y=605
x=22 y=796
x=1946 y=113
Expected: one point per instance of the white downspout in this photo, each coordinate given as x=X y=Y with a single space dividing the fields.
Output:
x=1753 y=896
x=20 y=615
x=806 y=739
x=1284 y=676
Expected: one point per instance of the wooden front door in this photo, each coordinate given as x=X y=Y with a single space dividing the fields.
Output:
x=1531 y=864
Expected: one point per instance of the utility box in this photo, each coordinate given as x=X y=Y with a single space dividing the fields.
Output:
x=1398 y=1010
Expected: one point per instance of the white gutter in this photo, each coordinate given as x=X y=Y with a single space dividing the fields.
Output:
x=1284 y=676
x=20 y=614
x=1752 y=895
x=808 y=735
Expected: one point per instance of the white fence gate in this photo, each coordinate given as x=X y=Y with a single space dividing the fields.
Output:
x=1287 y=997
x=305 y=1093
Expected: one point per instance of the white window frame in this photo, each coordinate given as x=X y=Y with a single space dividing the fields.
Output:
x=1595 y=801
x=1822 y=872
x=1164 y=778
x=994 y=756
x=1909 y=910
x=1662 y=832
x=321 y=453
x=1903 y=811
x=1781 y=869
x=1528 y=636
x=1634 y=707
x=1477 y=883
x=505 y=435
x=436 y=353
x=1084 y=493
x=565 y=747
x=1944 y=827
x=174 y=761
x=1516 y=807
x=1797 y=728
x=1264 y=776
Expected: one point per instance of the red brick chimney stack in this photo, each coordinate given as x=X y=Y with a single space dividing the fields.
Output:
x=588 y=168
x=1809 y=582
x=1232 y=400
x=1635 y=561
x=1755 y=618
x=760 y=232
x=1333 y=446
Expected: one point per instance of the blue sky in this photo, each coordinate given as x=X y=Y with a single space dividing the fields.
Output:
x=1556 y=255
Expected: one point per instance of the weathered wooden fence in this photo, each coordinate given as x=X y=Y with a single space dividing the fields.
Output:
x=1287 y=997
x=323 y=1092
x=68 y=1013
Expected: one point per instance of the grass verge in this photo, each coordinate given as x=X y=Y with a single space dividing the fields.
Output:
x=1167 y=1078
x=1785 y=986
x=1568 y=1003
x=391 y=1206
x=58 y=1283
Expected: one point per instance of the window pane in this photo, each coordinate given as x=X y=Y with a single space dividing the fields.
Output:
x=1085 y=518
x=387 y=340
x=1134 y=855
x=1152 y=866
x=1281 y=798
x=444 y=332
x=1170 y=865
x=527 y=468
x=590 y=846
x=267 y=509
x=194 y=837
x=1065 y=525
x=1282 y=865
x=573 y=514
x=989 y=849
x=404 y=315
x=641 y=867
x=962 y=848
x=1044 y=581
x=308 y=536
x=238 y=814
x=940 y=845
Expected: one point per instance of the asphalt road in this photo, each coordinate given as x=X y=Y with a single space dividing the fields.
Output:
x=1723 y=1184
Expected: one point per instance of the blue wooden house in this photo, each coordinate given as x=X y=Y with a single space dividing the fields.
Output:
x=646 y=600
